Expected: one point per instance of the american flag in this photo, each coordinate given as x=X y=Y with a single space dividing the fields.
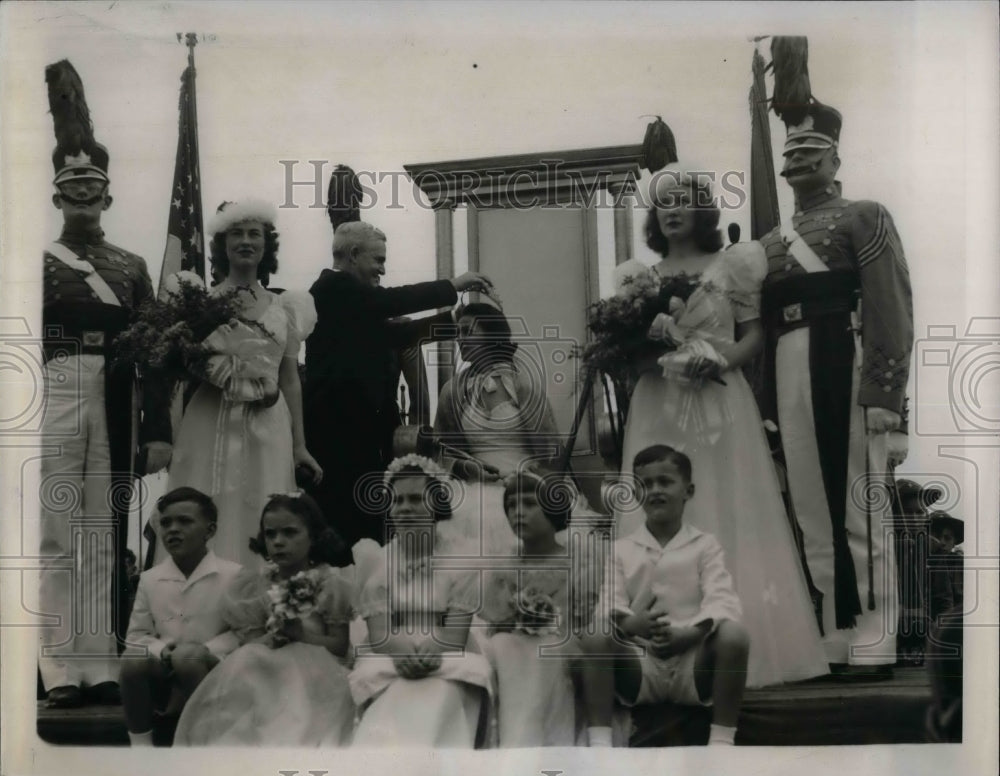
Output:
x=185 y=248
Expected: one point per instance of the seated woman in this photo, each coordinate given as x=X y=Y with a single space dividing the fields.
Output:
x=420 y=681
x=287 y=685
x=535 y=608
x=492 y=417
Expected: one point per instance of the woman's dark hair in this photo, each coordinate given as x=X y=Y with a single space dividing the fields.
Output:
x=553 y=495
x=437 y=494
x=325 y=545
x=706 y=234
x=205 y=504
x=494 y=329
x=657 y=453
x=268 y=263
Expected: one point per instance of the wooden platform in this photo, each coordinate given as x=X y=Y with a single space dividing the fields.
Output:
x=819 y=712
x=814 y=713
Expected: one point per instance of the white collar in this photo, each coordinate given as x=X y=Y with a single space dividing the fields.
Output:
x=208 y=565
x=644 y=538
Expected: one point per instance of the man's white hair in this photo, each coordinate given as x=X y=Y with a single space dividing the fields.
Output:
x=352 y=234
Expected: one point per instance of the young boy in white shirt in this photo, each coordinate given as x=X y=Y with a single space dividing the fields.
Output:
x=177 y=615
x=674 y=617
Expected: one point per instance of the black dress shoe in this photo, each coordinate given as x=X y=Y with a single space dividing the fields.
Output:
x=104 y=694
x=66 y=696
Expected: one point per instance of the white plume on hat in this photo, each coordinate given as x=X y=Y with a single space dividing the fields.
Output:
x=244 y=210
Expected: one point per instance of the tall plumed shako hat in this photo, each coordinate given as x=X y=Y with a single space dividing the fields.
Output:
x=808 y=122
x=77 y=154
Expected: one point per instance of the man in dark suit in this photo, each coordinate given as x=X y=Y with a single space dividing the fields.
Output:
x=349 y=394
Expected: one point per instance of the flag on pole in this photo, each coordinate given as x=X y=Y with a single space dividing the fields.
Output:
x=764 y=214
x=185 y=248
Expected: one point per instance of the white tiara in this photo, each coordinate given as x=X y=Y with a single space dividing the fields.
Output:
x=245 y=210
x=426 y=465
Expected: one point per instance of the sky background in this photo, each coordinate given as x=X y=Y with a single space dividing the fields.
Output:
x=380 y=85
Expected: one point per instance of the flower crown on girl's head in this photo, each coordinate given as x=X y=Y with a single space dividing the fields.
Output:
x=414 y=461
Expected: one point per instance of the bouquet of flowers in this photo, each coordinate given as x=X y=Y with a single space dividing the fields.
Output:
x=622 y=327
x=536 y=613
x=294 y=598
x=167 y=338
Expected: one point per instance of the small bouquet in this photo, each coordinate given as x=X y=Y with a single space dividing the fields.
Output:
x=167 y=338
x=536 y=613
x=294 y=598
x=638 y=324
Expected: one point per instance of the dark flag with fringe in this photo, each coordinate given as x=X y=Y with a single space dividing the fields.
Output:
x=764 y=214
x=185 y=249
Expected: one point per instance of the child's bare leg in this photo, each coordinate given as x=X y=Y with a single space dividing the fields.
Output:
x=721 y=671
x=608 y=666
x=191 y=663
x=136 y=682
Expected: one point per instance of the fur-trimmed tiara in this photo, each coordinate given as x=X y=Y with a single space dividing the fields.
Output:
x=244 y=210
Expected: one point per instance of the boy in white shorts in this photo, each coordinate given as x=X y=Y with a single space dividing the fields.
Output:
x=674 y=618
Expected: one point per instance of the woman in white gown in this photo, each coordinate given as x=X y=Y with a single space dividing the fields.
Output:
x=706 y=408
x=241 y=435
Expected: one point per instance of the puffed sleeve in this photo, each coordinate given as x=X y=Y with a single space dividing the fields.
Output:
x=747 y=266
x=301 y=311
x=245 y=606
x=372 y=591
x=336 y=599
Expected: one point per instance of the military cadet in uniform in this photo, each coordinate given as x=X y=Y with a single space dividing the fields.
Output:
x=90 y=430
x=838 y=315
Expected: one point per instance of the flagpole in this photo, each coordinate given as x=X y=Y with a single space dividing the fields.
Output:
x=191 y=40
x=185 y=243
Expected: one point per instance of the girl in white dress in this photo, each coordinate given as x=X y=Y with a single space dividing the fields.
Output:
x=420 y=680
x=287 y=685
x=705 y=408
